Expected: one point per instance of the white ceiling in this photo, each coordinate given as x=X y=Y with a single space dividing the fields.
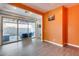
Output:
x=19 y=11
x=44 y=7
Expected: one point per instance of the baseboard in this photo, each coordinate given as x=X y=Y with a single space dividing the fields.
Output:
x=73 y=45
x=54 y=43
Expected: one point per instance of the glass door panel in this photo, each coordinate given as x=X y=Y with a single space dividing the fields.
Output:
x=32 y=29
x=9 y=30
x=23 y=29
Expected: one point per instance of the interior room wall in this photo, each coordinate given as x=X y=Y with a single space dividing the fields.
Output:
x=73 y=25
x=54 y=30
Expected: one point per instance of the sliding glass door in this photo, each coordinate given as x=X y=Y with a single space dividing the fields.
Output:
x=32 y=29
x=14 y=30
x=26 y=29
x=9 y=30
x=23 y=29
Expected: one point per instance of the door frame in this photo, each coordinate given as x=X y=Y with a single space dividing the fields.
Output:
x=2 y=30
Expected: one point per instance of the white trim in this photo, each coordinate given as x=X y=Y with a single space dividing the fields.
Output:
x=41 y=28
x=73 y=45
x=54 y=43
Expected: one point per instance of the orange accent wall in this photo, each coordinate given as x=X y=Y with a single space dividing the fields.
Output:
x=73 y=25
x=65 y=26
x=56 y=30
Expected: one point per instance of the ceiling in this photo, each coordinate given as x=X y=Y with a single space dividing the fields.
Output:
x=44 y=7
x=18 y=11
